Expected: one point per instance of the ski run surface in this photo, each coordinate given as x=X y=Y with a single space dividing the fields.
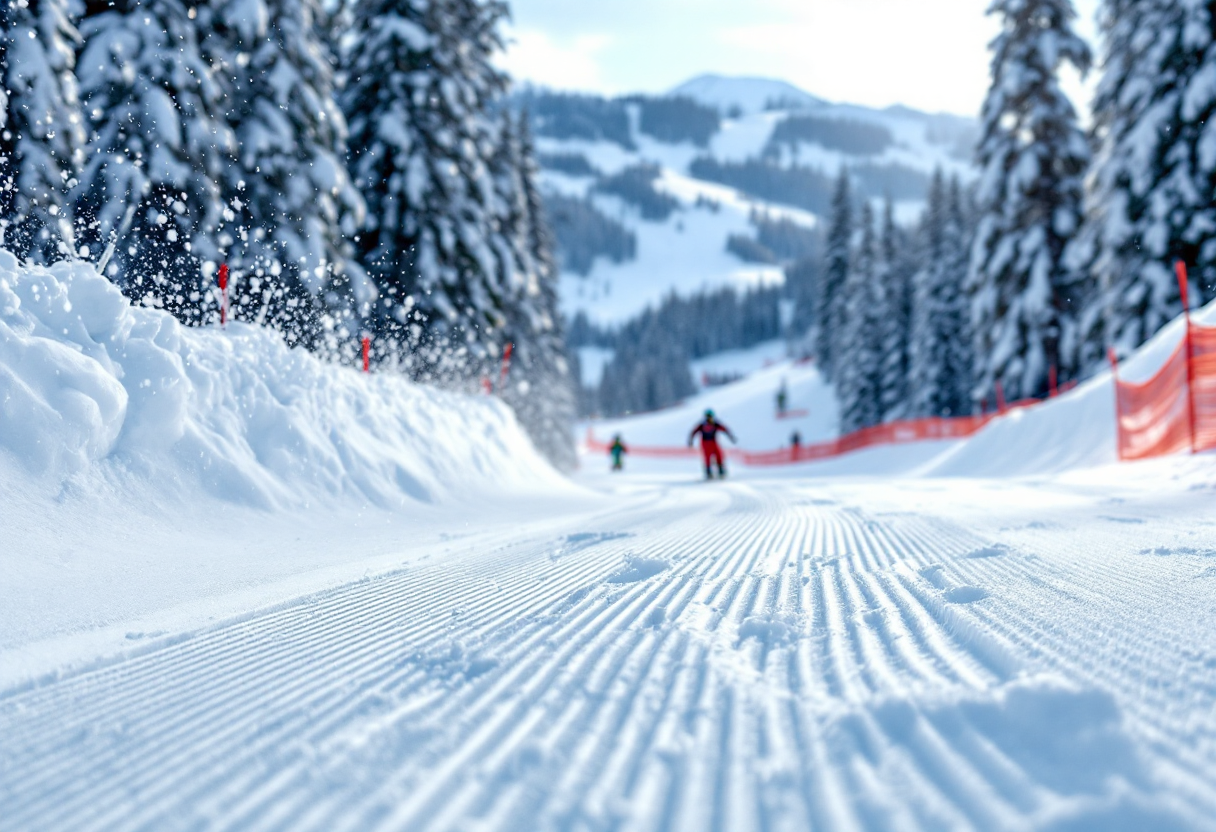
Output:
x=244 y=590
x=767 y=653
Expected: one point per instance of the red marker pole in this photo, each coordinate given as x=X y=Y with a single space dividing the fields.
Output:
x=223 y=281
x=1053 y=379
x=367 y=354
x=1000 y=398
x=506 y=366
x=1180 y=270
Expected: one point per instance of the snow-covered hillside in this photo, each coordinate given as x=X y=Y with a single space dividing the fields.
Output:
x=746 y=95
x=211 y=448
x=686 y=250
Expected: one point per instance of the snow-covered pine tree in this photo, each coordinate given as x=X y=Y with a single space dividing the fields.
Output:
x=829 y=308
x=41 y=128
x=939 y=348
x=956 y=305
x=297 y=208
x=1150 y=199
x=1033 y=157
x=896 y=267
x=419 y=81
x=540 y=388
x=161 y=146
x=858 y=356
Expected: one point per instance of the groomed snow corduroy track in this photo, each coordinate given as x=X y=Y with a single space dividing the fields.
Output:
x=736 y=656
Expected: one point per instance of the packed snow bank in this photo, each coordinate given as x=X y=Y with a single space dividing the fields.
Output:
x=94 y=388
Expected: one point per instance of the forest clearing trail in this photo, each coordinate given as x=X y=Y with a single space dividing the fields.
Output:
x=761 y=654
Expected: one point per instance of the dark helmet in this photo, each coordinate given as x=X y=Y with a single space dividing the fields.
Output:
x=709 y=414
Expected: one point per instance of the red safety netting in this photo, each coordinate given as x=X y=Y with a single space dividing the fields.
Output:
x=1203 y=369
x=1155 y=417
x=895 y=433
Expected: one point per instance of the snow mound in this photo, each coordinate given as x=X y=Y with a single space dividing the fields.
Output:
x=93 y=388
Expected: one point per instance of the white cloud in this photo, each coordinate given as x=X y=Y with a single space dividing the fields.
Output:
x=929 y=54
x=533 y=55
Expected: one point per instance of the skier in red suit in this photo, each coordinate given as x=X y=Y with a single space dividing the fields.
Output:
x=708 y=431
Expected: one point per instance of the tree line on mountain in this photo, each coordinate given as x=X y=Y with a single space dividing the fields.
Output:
x=856 y=138
x=649 y=368
x=777 y=240
x=352 y=164
x=669 y=119
x=775 y=179
x=583 y=232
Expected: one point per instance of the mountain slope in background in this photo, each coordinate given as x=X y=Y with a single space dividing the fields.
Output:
x=745 y=95
x=645 y=193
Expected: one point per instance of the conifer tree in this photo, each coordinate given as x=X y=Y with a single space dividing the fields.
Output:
x=956 y=319
x=939 y=351
x=1033 y=157
x=540 y=388
x=1154 y=172
x=419 y=81
x=41 y=128
x=161 y=148
x=858 y=359
x=297 y=208
x=895 y=316
x=829 y=309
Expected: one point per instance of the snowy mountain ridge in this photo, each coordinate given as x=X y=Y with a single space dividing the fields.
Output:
x=749 y=95
x=774 y=154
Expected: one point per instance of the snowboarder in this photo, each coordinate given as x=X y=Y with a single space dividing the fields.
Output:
x=795 y=444
x=783 y=397
x=708 y=431
x=617 y=451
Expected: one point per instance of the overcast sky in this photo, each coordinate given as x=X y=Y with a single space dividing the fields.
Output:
x=927 y=54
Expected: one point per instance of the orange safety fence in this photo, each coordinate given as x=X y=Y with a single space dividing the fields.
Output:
x=893 y=433
x=1203 y=385
x=1175 y=410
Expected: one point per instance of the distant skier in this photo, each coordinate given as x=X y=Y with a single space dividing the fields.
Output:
x=783 y=399
x=795 y=444
x=708 y=431
x=617 y=451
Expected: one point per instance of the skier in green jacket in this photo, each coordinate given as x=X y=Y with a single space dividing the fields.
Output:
x=617 y=451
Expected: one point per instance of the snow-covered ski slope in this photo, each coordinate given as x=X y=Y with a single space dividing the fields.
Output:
x=810 y=648
x=687 y=251
x=753 y=655
x=748 y=407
